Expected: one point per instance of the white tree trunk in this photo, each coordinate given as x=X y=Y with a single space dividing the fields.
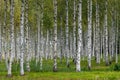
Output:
x=4 y=34
x=55 y=36
x=97 y=35
x=27 y=37
x=94 y=40
x=22 y=38
x=74 y=32
x=38 y=46
x=117 y=37
x=106 y=35
x=12 y=47
x=47 y=45
x=67 y=36
x=0 y=41
x=61 y=41
x=89 y=32
x=79 y=49
x=41 y=37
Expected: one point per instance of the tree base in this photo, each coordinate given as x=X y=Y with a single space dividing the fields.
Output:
x=9 y=75
x=28 y=69
x=107 y=64
x=97 y=63
x=68 y=65
x=89 y=68
x=22 y=74
x=55 y=69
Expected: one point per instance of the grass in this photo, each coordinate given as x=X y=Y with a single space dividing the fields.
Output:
x=94 y=75
x=98 y=72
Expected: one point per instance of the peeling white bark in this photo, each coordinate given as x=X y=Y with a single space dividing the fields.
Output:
x=22 y=38
x=79 y=47
x=12 y=41
x=89 y=32
x=55 y=36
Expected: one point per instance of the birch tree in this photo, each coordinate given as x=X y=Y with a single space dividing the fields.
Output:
x=74 y=31
x=22 y=38
x=41 y=49
x=89 y=32
x=0 y=33
x=106 y=34
x=27 y=37
x=55 y=36
x=38 y=31
x=61 y=40
x=67 y=36
x=4 y=33
x=41 y=35
x=79 y=49
x=97 y=35
x=117 y=32
x=12 y=46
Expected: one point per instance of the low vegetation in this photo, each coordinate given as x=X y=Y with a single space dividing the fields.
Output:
x=98 y=71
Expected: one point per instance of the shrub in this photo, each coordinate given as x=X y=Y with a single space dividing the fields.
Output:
x=116 y=67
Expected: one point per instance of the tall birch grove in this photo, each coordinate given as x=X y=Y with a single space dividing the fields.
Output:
x=59 y=36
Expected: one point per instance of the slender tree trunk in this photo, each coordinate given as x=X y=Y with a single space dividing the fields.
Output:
x=79 y=49
x=103 y=37
x=89 y=32
x=74 y=32
x=97 y=35
x=38 y=26
x=0 y=33
x=41 y=36
x=101 y=54
x=0 y=40
x=117 y=37
x=116 y=57
x=61 y=41
x=55 y=36
x=51 y=44
x=112 y=37
x=94 y=39
x=47 y=45
x=27 y=37
x=106 y=35
x=4 y=34
x=38 y=31
x=18 y=46
x=12 y=47
x=22 y=38
x=67 y=36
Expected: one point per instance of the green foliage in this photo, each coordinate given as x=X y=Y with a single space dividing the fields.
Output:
x=116 y=67
x=33 y=67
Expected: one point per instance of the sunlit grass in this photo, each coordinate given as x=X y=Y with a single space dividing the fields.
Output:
x=98 y=71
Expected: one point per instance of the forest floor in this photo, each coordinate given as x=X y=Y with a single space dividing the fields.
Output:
x=98 y=72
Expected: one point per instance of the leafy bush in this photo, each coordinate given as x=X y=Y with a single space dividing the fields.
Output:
x=116 y=67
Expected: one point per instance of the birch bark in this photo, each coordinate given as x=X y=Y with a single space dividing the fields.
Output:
x=22 y=38
x=79 y=48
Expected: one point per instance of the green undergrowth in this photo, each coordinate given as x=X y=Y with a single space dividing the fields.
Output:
x=97 y=72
